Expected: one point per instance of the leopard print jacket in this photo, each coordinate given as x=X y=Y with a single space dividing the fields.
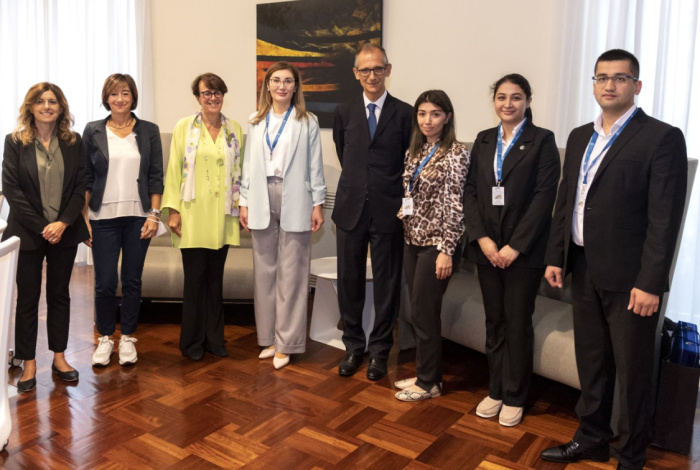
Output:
x=438 y=211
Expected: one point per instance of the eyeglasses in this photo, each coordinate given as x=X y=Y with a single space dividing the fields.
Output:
x=277 y=82
x=616 y=79
x=378 y=71
x=208 y=94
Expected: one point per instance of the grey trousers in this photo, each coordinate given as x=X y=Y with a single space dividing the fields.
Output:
x=281 y=261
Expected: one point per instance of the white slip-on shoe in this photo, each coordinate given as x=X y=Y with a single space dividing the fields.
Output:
x=280 y=362
x=510 y=415
x=103 y=353
x=127 y=351
x=267 y=352
x=405 y=383
x=488 y=408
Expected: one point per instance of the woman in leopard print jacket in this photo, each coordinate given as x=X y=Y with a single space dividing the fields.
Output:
x=433 y=219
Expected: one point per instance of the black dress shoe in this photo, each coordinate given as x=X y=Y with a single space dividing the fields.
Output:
x=26 y=385
x=68 y=376
x=573 y=452
x=348 y=366
x=376 y=369
x=218 y=352
x=195 y=355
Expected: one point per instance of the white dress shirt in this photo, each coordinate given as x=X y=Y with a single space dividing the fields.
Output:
x=379 y=103
x=504 y=146
x=581 y=189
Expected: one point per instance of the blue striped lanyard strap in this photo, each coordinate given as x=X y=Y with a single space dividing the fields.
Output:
x=279 y=132
x=500 y=156
x=586 y=165
x=420 y=167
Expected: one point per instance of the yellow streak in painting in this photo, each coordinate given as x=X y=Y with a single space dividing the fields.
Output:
x=320 y=88
x=268 y=49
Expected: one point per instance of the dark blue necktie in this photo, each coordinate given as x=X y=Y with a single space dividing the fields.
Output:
x=372 y=120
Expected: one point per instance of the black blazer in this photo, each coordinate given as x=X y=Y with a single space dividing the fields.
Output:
x=530 y=175
x=20 y=185
x=371 y=169
x=96 y=154
x=633 y=209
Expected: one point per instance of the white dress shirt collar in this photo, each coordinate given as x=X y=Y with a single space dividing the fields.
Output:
x=598 y=123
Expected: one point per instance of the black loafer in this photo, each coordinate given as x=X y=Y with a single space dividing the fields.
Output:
x=218 y=352
x=376 y=369
x=348 y=366
x=26 y=385
x=195 y=355
x=68 y=376
x=573 y=452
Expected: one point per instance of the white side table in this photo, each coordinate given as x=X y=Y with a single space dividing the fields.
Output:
x=326 y=314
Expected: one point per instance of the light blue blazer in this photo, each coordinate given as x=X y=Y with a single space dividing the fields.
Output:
x=304 y=184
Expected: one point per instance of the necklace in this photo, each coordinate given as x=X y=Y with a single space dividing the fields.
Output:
x=130 y=122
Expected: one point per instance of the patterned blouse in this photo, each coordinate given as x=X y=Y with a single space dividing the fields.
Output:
x=438 y=211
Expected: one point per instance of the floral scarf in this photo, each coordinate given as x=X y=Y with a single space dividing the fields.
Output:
x=232 y=161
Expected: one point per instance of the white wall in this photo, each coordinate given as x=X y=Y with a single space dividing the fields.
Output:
x=460 y=46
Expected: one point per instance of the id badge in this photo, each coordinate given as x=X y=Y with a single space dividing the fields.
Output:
x=498 y=195
x=407 y=206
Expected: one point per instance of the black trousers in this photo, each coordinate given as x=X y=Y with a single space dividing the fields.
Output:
x=202 y=299
x=386 y=251
x=509 y=302
x=426 y=292
x=611 y=342
x=59 y=267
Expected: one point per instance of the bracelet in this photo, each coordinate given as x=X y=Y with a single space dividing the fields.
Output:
x=155 y=213
x=154 y=219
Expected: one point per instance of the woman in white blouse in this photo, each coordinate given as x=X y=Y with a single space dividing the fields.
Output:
x=124 y=163
x=282 y=195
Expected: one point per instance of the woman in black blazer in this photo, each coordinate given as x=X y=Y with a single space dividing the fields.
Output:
x=43 y=179
x=124 y=164
x=509 y=197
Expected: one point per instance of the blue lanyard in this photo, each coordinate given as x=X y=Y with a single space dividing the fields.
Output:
x=586 y=165
x=499 y=151
x=420 y=167
x=279 y=132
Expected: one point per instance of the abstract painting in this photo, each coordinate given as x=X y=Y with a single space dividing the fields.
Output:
x=320 y=37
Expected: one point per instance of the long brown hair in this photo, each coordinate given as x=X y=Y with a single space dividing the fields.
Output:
x=447 y=137
x=265 y=102
x=26 y=129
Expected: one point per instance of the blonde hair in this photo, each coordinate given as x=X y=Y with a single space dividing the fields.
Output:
x=26 y=129
x=265 y=102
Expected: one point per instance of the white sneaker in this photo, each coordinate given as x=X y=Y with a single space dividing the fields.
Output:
x=127 y=350
x=103 y=353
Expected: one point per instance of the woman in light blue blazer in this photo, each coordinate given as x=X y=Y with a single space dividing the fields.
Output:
x=282 y=195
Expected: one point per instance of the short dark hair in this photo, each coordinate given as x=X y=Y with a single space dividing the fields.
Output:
x=515 y=79
x=119 y=80
x=211 y=81
x=619 y=54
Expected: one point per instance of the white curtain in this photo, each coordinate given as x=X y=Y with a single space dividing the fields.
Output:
x=75 y=44
x=663 y=34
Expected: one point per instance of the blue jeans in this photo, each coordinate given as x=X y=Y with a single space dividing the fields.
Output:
x=109 y=238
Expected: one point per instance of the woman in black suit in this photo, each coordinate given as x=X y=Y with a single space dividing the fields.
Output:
x=509 y=197
x=43 y=179
x=124 y=166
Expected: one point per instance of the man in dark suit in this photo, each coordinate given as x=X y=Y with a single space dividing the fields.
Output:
x=371 y=134
x=615 y=227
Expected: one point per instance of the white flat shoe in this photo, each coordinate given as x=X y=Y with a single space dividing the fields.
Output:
x=405 y=383
x=488 y=408
x=280 y=362
x=267 y=353
x=408 y=394
x=510 y=415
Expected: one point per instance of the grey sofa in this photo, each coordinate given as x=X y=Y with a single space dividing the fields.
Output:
x=163 y=277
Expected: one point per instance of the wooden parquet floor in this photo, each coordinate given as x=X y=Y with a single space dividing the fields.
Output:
x=238 y=412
